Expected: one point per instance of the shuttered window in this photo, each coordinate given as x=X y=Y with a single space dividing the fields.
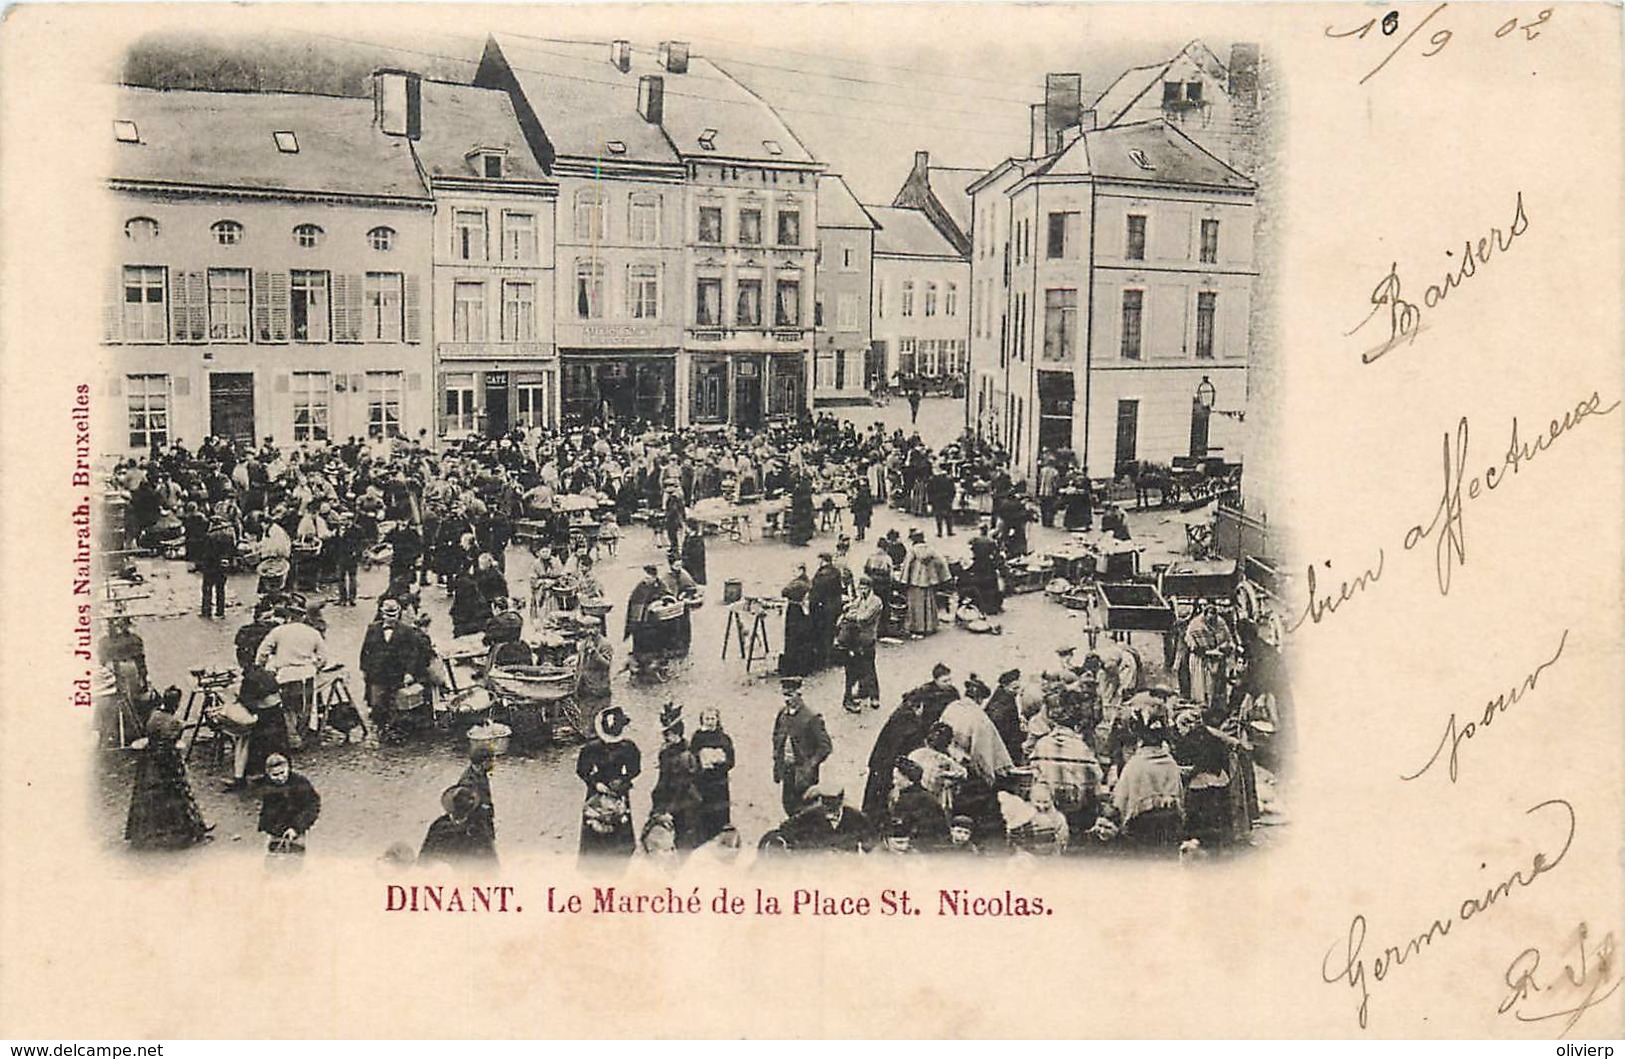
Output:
x=271 y=300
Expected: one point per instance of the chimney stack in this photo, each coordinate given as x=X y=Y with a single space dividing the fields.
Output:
x=1038 y=143
x=652 y=99
x=1088 y=120
x=620 y=55
x=674 y=56
x=397 y=100
x=922 y=162
x=1243 y=85
x=1063 y=105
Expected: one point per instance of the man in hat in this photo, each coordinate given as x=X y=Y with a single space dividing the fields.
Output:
x=924 y=574
x=1004 y=710
x=595 y=661
x=892 y=544
x=477 y=778
x=860 y=631
x=214 y=555
x=345 y=547
x=392 y=652
x=294 y=652
x=939 y=492
x=829 y=825
x=800 y=746
x=290 y=805
x=456 y=836
x=607 y=765
x=259 y=738
x=824 y=596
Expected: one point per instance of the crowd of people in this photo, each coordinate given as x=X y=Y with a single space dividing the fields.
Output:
x=512 y=528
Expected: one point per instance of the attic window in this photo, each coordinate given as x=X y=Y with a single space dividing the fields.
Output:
x=1138 y=158
x=708 y=139
x=126 y=132
x=615 y=147
x=486 y=162
x=286 y=142
x=493 y=165
x=773 y=146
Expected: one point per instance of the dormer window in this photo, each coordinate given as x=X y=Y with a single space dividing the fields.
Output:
x=486 y=162
x=286 y=142
x=708 y=140
x=126 y=132
x=1193 y=92
x=141 y=229
x=308 y=236
x=1138 y=158
x=773 y=147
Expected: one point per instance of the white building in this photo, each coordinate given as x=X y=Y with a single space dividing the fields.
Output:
x=921 y=297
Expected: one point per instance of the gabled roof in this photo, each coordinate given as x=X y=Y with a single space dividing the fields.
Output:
x=1144 y=152
x=984 y=179
x=907 y=232
x=226 y=140
x=458 y=119
x=838 y=207
x=950 y=185
x=584 y=101
x=1136 y=81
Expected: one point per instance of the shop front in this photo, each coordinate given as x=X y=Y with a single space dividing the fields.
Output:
x=619 y=386
x=493 y=403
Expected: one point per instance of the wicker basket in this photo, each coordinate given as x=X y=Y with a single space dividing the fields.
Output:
x=493 y=736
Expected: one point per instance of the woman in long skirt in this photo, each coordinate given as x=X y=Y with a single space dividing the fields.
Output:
x=607 y=765
x=714 y=750
x=163 y=813
x=798 y=634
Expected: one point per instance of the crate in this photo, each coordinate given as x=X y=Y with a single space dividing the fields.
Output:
x=1132 y=606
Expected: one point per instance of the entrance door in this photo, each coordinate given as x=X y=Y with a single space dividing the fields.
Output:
x=1199 y=424
x=1055 y=403
x=231 y=406
x=1128 y=433
x=496 y=404
x=748 y=394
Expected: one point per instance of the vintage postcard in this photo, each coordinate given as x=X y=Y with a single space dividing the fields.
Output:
x=1046 y=520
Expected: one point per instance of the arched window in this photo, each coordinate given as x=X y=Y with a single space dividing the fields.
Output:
x=307 y=235
x=381 y=238
x=227 y=233
x=141 y=229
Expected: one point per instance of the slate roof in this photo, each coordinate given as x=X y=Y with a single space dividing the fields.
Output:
x=1169 y=155
x=838 y=207
x=907 y=232
x=1136 y=81
x=459 y=118
x=225 y=139
x=583 y=101
x=949 y=184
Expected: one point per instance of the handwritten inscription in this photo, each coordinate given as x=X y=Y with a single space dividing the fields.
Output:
x=1456 y=734
x=1537 y=995
x=1529 y=27
x=1404 y=317
x=1346 y=962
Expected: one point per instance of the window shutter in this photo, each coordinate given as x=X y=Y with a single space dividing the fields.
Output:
x=113 y=307
x=262 y=305
x=183 y=385
x=190 y=311
x=347 y=292
x=414 y=313
x=281 y=306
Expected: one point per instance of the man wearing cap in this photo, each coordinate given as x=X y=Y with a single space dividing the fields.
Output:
x=800 y=746
x=391 y=653
x=214 y=555
x=829 y=825
x=861 y=631
x=1005 y=713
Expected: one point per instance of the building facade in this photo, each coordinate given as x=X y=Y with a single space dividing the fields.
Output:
x=1123 y=284
x=494 y=286
x=844 y=366
x=921 y=299
x=273 y=271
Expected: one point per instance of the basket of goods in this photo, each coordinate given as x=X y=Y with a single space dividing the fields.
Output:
x=532 y=683
x=469 y=700
x=492 y=735
x=596 y=608
x=1058 y=589
x=667 y=610
x=694 y=600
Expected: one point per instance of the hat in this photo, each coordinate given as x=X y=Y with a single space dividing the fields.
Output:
x=257 y=684
x=962 y=821
x=790 y=683
x=826 y=555
x=1009 y=676
x=479 y=753
x=891 y=535
x=610 y=723
x=898 y=828
x=650 y=568
x=826 y=790
x=458 y=801
x=916 y=535
x=909 y=768
x=671 y=716
x=274 y=759
x=940 y=670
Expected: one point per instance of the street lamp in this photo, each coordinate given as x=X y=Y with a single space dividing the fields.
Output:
x=1205 y=396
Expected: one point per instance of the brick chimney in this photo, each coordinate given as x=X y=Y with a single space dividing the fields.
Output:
x=674 y=56
x=620 y=55
x=652 y=99
x=397 y=100
x=1243 y=86
x=1063 y=103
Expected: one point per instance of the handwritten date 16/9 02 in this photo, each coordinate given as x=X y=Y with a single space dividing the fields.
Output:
x=1529 y=28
